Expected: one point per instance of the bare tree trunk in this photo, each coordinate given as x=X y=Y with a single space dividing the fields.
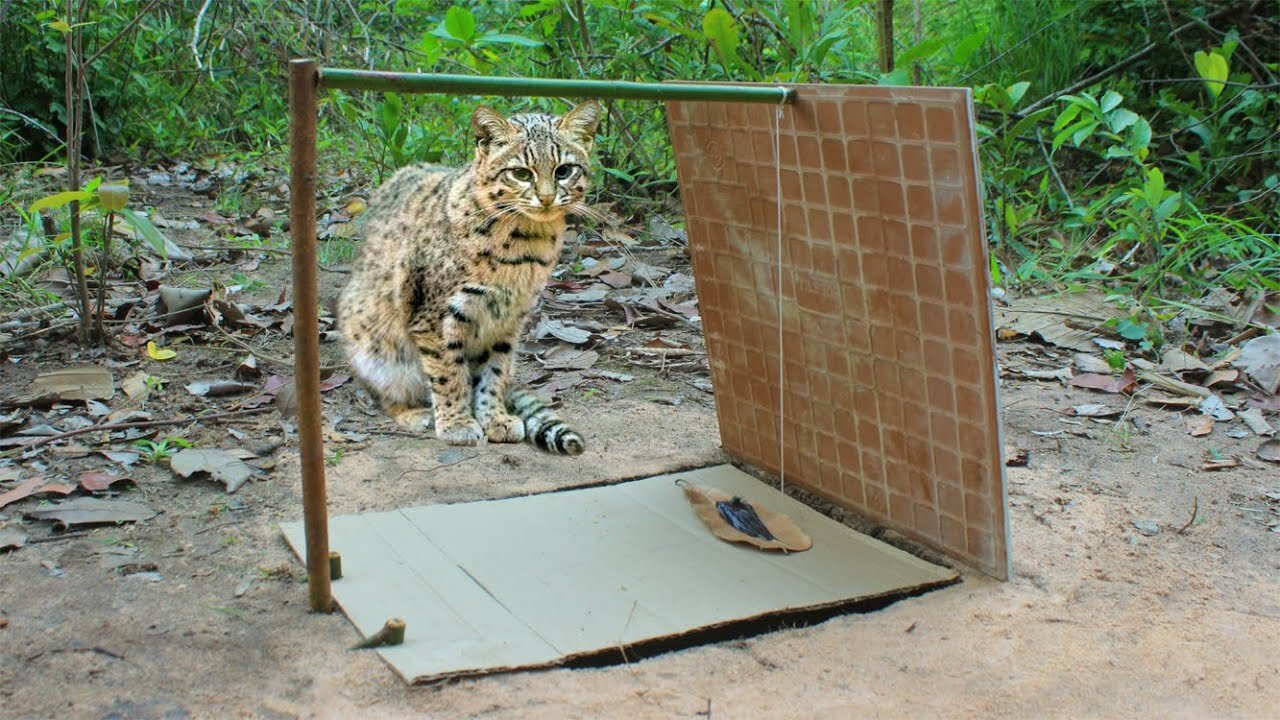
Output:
x=74 y=97
x=884 y=29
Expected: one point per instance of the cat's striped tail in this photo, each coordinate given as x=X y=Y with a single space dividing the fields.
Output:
x=542 y=427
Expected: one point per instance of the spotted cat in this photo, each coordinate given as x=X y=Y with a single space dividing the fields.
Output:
x=452 y=264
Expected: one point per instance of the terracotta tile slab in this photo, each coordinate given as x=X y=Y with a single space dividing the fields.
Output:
x=890 y=391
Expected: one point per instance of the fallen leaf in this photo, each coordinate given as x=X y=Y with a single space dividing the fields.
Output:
x=121 y=457
x=158 y=353
x=1087 y=363
x=248 y=368
x=1258 y=424
x=221 y=465
x=615 y=279
x=75 y=383
x=1055 y=319
x=95 y=481
x=1213 y=407
x=1221 y=376
x=564 y=357
x=1060 y=374
x=93 y=511
x=34 y=486
x=595 y=293
x=1270 y=450
x=1176 y=361
x=11 y=540
x=1106 y=383
x=1199 y=427
x=1271 y=404
x=1017 y=457
x=334 y=381
x=1260 y=360
x=217 y=388
x=559 y=330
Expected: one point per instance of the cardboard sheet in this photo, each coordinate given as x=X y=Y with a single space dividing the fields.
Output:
x=534 y=581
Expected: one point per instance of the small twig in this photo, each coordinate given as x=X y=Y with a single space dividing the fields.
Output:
x=433 y=468
x=56 y=538
x=1195 y=510
x=141 y=424
x=246 y=347
x=95 y=649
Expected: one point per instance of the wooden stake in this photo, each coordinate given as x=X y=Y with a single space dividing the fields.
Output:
x=392 y=633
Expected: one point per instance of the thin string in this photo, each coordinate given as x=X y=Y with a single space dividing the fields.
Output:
x=777 y=169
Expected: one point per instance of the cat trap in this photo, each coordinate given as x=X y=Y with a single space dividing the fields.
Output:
x=541 y=580
x=837 y=241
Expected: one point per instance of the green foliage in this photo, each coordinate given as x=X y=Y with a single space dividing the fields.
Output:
x=1160 y=177
x=154 y=451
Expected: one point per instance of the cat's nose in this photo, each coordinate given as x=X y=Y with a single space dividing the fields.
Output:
x=547 y=200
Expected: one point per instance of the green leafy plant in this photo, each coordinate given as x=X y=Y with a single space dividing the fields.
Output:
x=154 y=451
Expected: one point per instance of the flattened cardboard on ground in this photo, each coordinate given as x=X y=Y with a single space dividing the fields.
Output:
x=534 y=581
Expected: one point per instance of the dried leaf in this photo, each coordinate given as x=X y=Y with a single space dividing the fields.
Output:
x=1061 y=374
x=1199 y=427
x=1270 y=450
x=1055 y=320
x=1260 y=360
x=334 y=381
x=221 y=465
x=1258 y=424
x=1106 y=383
x=1222 y=376
x=558 y=329
x=1176 y=361
x=75 y=383
x=564 y=357
x=158 y=353
x=1213 y=407
x=595 y=293
x=34 y=486
x=248 y=368
x=11 y=539
x=93 y=511
x=616 y=279
x=95 y=481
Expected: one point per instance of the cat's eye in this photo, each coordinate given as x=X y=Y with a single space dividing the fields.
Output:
x=522 y=174
x=564 y=172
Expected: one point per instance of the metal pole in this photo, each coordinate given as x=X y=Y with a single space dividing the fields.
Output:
x=304 y=80
x=341 y=79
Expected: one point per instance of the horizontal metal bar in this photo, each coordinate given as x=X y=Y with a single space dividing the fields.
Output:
x=341 y=79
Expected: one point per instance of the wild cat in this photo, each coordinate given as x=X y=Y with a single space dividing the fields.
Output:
x=453 y=262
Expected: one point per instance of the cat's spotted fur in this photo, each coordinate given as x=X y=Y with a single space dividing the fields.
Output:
x=452 y=264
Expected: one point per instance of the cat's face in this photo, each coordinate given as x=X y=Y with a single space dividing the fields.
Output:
x=536 y=166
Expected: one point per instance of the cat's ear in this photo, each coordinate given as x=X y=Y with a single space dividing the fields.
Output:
x=487 y=125
x=581 y=122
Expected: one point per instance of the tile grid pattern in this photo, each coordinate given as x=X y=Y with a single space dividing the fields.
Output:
x=889 y=359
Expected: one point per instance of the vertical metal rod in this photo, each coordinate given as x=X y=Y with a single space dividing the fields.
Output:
x=304 y=80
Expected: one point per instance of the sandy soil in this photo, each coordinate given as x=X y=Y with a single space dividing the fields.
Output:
x=202 y=611
x=1098 y=620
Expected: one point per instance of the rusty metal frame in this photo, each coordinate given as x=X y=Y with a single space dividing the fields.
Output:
x=306 y=79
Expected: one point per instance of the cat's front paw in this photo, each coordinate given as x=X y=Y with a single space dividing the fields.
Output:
x=504 y=428
x=411 y=418
x=466 y=432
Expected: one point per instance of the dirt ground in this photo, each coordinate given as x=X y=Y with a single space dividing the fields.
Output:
x=202 y=611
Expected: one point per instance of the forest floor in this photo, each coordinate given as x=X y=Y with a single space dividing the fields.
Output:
x=1145 y=544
